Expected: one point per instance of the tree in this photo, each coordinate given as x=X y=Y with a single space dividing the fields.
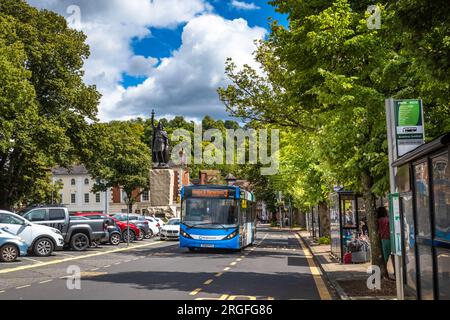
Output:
x=325 y=68
x=44 y=104
x=119 y=158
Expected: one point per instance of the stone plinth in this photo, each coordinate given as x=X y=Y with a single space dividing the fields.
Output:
x=161 y=187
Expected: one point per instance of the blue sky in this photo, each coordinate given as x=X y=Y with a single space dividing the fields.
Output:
x=164 y=40
x=167 y=55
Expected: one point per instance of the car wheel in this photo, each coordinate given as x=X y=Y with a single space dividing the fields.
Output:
x=125 y=236
x=8 y=253
x=79 y=242
x=149 y=235
x=141 y=235
x=43 y=247
x=114 y=239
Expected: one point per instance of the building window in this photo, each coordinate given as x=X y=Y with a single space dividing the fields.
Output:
x=124 y=196
x=97 y=197
x=73 y=198
x=86 y=198
x=72 y=182
x=145 y=196
x=86 y=181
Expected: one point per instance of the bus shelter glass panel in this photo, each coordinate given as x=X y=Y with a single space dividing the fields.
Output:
x=335 y=227
x=441 y=193
x=426 y=272
x=425 y=256
x=422 y=199
x=443 y=266
x=409 y=240
x=349 y=220
x=362 y=217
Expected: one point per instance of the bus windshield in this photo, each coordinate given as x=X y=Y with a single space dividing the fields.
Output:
x=209 y=212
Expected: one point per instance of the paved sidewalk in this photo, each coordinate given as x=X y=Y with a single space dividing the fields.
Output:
x=336 y=272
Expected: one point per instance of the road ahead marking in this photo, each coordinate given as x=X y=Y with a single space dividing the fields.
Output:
x=27 y=267
x=315 y=272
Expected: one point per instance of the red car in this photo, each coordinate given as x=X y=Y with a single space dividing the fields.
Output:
x=135 y=232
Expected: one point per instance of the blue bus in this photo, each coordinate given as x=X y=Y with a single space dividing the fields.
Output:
x=217 y=216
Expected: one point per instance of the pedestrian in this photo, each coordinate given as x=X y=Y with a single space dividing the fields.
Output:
x=384 y=233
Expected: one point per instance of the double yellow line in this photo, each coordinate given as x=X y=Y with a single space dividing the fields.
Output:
x=324 y=293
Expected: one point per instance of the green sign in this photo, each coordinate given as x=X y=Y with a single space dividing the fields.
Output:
x=394 y=224
x=408 y=125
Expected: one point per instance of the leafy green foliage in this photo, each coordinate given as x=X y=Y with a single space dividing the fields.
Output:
x=44 y=104
x=119 y=158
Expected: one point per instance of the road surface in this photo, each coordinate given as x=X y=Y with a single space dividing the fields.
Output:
x=277 y=266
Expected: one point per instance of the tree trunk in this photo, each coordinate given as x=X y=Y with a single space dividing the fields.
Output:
x=372 y=223
x=324 y=218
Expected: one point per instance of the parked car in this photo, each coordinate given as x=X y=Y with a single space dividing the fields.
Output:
x=135 y=232
x=171 y=230
x=154 y=225
x=138 y=220
x=41 y=240
x=77 y=234
x=11 y=246
x=114 y=233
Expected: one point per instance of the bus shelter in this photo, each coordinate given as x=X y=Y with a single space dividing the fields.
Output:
x=423 y=181
x=346 y=214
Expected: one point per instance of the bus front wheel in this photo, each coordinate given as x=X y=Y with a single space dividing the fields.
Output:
x=192 y=249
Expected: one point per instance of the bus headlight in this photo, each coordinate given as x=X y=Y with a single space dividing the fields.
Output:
x=185 y=234
x=231 y=235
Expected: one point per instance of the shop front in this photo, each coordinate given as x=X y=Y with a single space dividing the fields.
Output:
x=349 y=239
x=423 y=181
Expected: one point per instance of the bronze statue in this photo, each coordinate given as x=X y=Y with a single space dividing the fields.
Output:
x=160 y=145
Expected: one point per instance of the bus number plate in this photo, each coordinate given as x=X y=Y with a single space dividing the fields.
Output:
x=207 y=245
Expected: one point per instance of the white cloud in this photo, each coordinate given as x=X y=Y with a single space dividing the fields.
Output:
x=111 y=25
x=182 y=84
x=186 y=83
x=141 y=66
x=241 y=5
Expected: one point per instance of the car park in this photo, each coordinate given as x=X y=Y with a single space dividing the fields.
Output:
x=171 y=230
x=41 y=240
x=138 y=220
x=11 y=246
x=77 y=234
x=135 y=232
